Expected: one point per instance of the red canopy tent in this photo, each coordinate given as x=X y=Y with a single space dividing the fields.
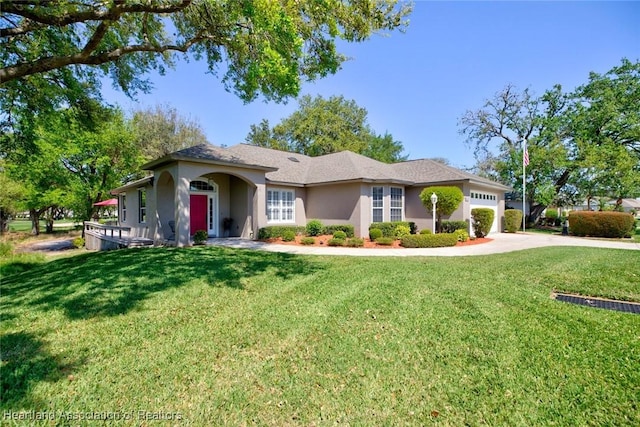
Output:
x=108 y=202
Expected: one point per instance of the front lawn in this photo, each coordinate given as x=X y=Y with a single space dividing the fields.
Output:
x=232 y=337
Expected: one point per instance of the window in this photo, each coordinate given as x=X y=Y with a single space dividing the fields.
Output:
x=395 y=211
x=483 y=196
x=280 y=206
x=142 y=205
x=377 y=204
x=123 y=208
x=201 y=186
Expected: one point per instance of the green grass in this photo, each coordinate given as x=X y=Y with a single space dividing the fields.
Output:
x=24 y=226
x=233 y=337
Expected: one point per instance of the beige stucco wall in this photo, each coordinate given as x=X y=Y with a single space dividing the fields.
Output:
x=337 y=204
x=239 y=203
x=140 y=229
x=415 y=210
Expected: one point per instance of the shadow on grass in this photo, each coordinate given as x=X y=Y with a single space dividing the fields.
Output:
x=25 y=361
x=113 y=283
x=20 y=263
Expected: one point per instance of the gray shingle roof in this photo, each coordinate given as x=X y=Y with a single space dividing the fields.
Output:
x=291 y=167
x=211 y=154
x=427 y=171
x=299 y=169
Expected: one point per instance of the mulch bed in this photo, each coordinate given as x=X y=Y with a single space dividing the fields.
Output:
x=607 y=304
x=322 y=241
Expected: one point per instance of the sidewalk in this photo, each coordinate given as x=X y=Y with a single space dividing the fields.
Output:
x=502 y=242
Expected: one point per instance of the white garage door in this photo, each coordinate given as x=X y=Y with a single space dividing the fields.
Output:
x=481 y=199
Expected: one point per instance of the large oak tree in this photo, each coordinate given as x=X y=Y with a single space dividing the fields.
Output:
x=581 y=144
x=263 y=47
x=161 y=130
x=322 y=126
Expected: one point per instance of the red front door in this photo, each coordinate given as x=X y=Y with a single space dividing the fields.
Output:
x=198 y=213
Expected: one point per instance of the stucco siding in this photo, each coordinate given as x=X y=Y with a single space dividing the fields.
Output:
x=415 y=211
x=238 y=208
x=335 y=204
x=140 y=229
x=301 y=206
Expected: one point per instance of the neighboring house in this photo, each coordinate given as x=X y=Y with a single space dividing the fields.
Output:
x=199 y=187
x=629 y=205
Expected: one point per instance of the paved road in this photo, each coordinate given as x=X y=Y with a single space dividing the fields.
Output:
x=50 y=245
x=502 y=242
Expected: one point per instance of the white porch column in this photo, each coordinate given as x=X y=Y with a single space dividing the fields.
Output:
x=183 y=205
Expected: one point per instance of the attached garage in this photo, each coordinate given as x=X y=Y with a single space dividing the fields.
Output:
x=482 y=199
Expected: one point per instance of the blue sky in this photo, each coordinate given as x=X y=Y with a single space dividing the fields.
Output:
x=416 y=85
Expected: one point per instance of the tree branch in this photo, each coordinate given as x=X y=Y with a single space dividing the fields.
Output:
x=60 y=20
x=85 y=58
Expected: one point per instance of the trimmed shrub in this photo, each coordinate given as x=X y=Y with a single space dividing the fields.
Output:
x=512 y=220
x=413 y=228
x=78 y=242
x=389 y=228
x=275 y=231
x=401 y=231
x=375 y=233
x=314 y=228
x=200 y=237
x=449 y=199
x=426 y=231
x=355 y=242
x=482 y=218
x=336 y=242
x=551 y=217
x=440 y=240
x=601 y=224
x=289 y=236
x=451 y=226
x=339 y=234
x=347 y=228
x=308 y=240
x=461 y=235
x=385 y=241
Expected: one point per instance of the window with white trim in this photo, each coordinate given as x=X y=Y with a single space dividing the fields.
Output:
x=280 y=206
x=395 y=210
x=123 y=207
x=142 y=205
x=377 y=204
x=483 y=196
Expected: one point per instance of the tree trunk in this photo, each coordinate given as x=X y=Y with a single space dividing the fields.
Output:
x=534 y=213
x=35 y=221
x=4 y=221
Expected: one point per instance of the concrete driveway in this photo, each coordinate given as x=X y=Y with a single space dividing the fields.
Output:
x=502 y=242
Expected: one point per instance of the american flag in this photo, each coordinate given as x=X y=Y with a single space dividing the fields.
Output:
x=525 y=155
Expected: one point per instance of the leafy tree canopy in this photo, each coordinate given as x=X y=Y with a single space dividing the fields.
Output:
x=54 y=52
x=322 y=126
x=581 y=143
x=77 y=156
x=162 y=130
x=449 y=199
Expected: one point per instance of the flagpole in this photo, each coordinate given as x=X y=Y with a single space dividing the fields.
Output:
x=524 y=188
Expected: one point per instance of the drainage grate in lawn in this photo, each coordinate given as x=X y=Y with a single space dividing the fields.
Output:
x=627 y=307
